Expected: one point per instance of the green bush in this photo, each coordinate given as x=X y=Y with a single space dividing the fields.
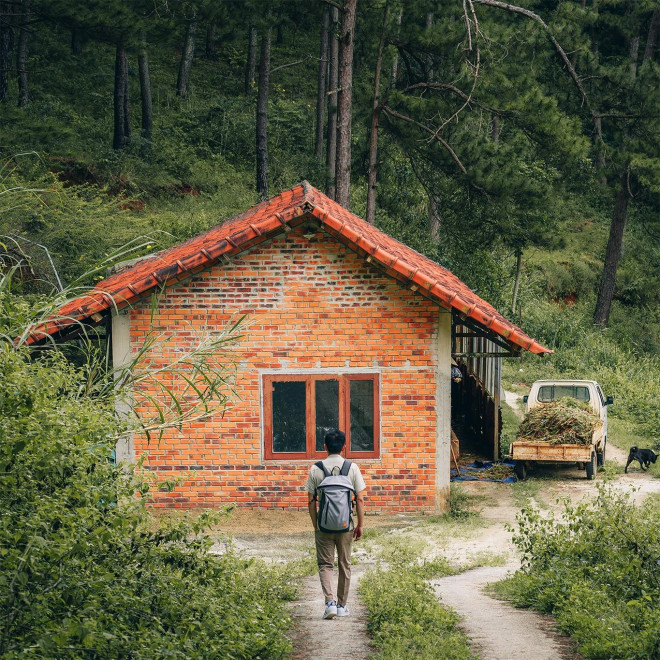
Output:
x=84 y=571
x=404 y=615
x=596 y=570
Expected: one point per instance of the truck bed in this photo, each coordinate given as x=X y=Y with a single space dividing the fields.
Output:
x=543 y=451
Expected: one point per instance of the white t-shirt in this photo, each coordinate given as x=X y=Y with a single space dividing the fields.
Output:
x=334 y=461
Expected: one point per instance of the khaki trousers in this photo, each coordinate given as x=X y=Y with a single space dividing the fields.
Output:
x=325 y=558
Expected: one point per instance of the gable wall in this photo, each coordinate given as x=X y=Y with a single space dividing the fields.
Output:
x=310 y=306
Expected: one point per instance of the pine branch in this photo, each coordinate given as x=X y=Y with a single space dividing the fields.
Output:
x=434 y=134
x=562 y=54
x=459 y=92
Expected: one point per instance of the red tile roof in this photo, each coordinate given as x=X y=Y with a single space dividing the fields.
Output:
x=288 y=209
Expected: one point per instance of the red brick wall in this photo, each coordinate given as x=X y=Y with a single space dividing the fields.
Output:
x=309 y=305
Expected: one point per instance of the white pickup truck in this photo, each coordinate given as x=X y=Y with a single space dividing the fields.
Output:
x=589 y=456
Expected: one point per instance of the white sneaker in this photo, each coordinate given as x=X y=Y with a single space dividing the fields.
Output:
x=342 y=610
x=330 y=610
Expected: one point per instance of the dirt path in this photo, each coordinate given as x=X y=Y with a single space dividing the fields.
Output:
x=344 y=637
x=497 y=630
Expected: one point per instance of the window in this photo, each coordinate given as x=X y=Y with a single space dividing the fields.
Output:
x=548 y=393
x=299 y=409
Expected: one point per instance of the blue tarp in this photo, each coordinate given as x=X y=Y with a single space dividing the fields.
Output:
x=469 y=472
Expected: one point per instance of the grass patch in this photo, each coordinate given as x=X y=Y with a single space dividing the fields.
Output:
x=463 y=505
x=485 y=558
x=610 y=470
x=525 y=491
x=510 y=425
x=405 y=618
x=595 y=569
x=302 y=566
x=389 y=546
x=623 y=435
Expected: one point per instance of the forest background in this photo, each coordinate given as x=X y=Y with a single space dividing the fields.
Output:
x=517 y=145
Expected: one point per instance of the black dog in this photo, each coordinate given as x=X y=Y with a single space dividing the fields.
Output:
x=644 y=456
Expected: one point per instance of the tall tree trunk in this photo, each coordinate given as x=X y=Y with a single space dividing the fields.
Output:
x=376 y=107
x=434 y=216
x=145 y=90
x=211 y=41
x=6 y=36
x=619 y=218
x=120 y=100
x=21 y=57
x=77 y=42
x=634 y=56
x=321 y=97
x=185 y=66
x=613 y=251
x=251 y=61
x=516 y=282
x=429 y=58
x=495 y=130
x=262 y=116
x=127 y=106
x=395 y=61
x=652 y=36
x=345 y=104
x=333 y=82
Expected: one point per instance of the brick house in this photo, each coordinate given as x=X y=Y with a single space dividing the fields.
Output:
x=348 y=328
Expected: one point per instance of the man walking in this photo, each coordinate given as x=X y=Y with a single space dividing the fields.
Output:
x=341 y=542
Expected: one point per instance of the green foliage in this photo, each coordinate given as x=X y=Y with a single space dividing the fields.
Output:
x=596 y=571
x=404 y=615
x=84 y=571
x=462 y=505
x=510 y=424
x=582 y=351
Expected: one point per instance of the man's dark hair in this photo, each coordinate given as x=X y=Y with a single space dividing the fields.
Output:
x=335 y=441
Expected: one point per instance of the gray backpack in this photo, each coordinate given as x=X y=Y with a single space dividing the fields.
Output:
x=336 y=501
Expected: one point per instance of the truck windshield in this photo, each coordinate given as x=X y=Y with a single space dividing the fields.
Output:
x=548 y=393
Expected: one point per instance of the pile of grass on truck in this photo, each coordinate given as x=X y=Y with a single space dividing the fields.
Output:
x=561 y=431
x=565 y=421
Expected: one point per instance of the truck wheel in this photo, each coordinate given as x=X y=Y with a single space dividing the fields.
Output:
x=601 y=455
x=592 y=466
x=520 y=471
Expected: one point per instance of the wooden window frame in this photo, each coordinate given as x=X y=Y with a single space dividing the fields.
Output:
x=344 y=413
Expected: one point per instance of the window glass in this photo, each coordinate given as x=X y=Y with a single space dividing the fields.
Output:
x=549 y=393
x=289 y=417
x=327 y=409
x=362 y=415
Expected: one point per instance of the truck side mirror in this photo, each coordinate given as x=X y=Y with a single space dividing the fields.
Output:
x=609 y=401
x=525 y=399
